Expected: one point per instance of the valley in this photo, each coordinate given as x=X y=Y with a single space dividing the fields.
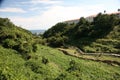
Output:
x=82 y=51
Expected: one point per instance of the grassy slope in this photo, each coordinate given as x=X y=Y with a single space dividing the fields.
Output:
x=14 y=67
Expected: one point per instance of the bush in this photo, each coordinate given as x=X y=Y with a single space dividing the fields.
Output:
x=44 y=60
x=9 y=43
x=57 y=41
x=35 y=67
x=25 y=48
x=73 y=66
x=34 y=47
x=2 y=76
x=61 y=77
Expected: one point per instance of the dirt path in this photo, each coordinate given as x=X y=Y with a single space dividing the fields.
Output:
x=110 y=62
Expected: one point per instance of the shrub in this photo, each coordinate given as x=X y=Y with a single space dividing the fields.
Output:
x=73 y=66
x=57 y=41
x=2 y=76
x=9 y=43
x=34 y=47
x=35 y=67
x=44 y=60
x=61 y=77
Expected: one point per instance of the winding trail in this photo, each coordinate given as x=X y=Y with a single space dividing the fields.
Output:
x=110 y=62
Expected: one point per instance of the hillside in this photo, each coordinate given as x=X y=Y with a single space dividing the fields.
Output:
x=22 y=57
x=51 y=64
x=14 y=37
x=101 y=35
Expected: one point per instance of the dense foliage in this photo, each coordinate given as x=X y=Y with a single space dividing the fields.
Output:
x=15 y=37
x=55 y=35
x=101 y=35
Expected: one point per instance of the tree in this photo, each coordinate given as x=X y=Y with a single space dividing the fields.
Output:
x=103 y=24
x=81 y=21
x=57 y=29
x=82 y=28
x=56 y=41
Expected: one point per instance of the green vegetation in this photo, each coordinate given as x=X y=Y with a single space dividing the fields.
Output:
x=15 y=37
x=22 y=57
x=58 y=66
x=54 y=37
x=101 y=35
x=98 y=57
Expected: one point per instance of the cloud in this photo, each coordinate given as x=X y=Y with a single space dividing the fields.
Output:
x=45 y=1
x=34 y=8
x=23 y=22
x=13 y=10
x=54 y=15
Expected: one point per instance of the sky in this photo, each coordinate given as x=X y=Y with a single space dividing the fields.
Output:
x=43 y=14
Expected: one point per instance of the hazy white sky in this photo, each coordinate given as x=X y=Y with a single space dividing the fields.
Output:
x=42 y=14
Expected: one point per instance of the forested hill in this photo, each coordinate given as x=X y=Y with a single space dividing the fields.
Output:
x=14 y=37
x=101 y=35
